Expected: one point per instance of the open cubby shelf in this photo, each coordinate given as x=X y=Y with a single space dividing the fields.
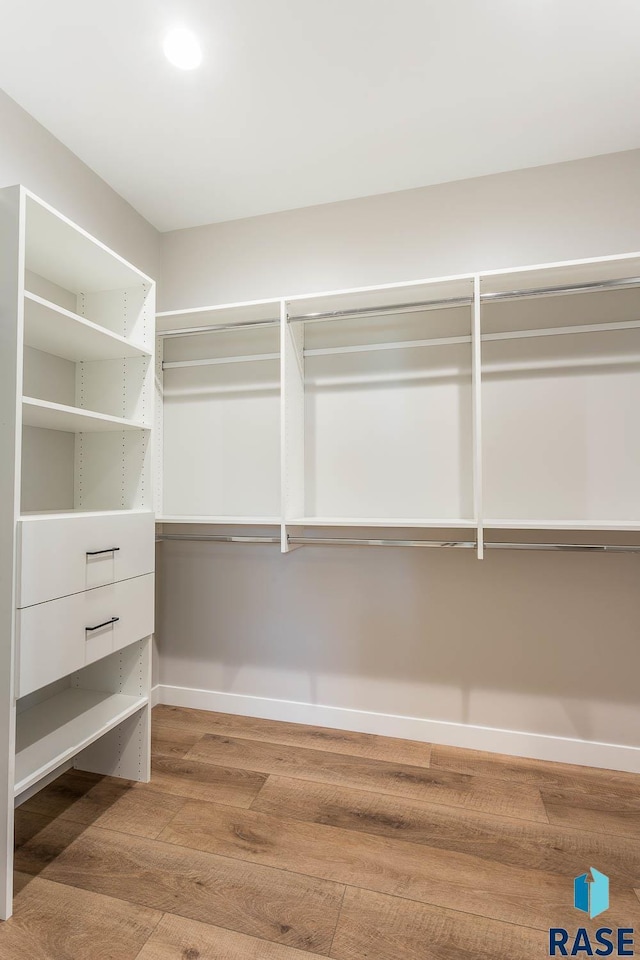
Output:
x=52 y=329
x=58 y=728
x=59 y=416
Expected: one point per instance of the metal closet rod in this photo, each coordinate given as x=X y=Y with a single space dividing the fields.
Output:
x=217 y=328
x=362 y=542
x=563 y=290
x=413 y=307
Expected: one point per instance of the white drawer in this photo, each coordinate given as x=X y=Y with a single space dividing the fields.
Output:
x=53 y=639
x=63 y=556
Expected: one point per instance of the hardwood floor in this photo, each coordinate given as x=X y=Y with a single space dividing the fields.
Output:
x=259 y=840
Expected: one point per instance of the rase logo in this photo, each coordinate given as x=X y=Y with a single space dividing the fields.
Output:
x=591 y=896
x=591 y=893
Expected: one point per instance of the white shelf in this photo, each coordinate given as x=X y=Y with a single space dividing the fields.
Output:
x=381 y=522
x=593 y=525
x=58 y=728
x=55 y=330
x=230 y=521
x=61 y=251
x=58 y=416
x=75 y=514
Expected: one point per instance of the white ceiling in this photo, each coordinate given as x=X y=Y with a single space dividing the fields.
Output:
x=301 y=102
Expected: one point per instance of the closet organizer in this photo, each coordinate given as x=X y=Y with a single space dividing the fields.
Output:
x=486 y=411
x=76 y=512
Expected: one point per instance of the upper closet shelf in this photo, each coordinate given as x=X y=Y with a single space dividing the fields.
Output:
x=62 y=333
x=58 y=416
x=588 y=525
x=76 y=514
x=444 y=524
x=229 y=521
x=56 y=248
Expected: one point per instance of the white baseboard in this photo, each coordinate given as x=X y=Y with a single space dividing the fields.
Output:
x=516 y=743
x=155 y=695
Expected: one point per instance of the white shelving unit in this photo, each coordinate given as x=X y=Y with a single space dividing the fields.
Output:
x=221 y=415
x=503 y=400
x=77 y=336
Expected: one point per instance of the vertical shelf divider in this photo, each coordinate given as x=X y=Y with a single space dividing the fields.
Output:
x=157 y=459
x=291 y=424
x=12 y=228
x=476 y=378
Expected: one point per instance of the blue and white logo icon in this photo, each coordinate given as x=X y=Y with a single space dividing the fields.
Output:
x=591 y=893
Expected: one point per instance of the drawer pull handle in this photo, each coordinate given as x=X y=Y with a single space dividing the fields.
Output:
x=96 y=553
x=105 y=624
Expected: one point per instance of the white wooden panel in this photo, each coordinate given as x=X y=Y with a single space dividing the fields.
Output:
x=476 y=385
x=129 y=312
x=53 y=640
x=119 y=388
x=52 y=488
x=389 y=434
x=126 y=751
x=123 y=752
x=56 y=730
x=65 y=334
x=112 y=471
x=126 y=671
x=68 y=256
x=292 y=423
x=47 y=377
x=389 y=523
x=54 y=560
x=222 y=440
x=559 y=428
x=11 y=318
x=158 y=431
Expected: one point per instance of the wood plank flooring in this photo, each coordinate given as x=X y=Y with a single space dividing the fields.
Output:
x=259 y=840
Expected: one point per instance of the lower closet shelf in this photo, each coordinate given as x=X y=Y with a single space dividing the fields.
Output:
x=57 y=729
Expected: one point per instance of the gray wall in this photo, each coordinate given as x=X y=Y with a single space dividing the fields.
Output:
x=517 y=641
x=30 y=155
x=564 y=211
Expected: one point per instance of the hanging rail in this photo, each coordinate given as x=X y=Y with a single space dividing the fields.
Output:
x=361 y=542
x=412 y=307
x=623 y=283
x=613 y=326
x=214 y=361
x=217 y=328
x=563 y=290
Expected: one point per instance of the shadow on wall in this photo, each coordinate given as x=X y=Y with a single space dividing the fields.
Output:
x=541 y=642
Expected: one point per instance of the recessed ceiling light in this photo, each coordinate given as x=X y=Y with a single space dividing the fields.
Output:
x=182 y=49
